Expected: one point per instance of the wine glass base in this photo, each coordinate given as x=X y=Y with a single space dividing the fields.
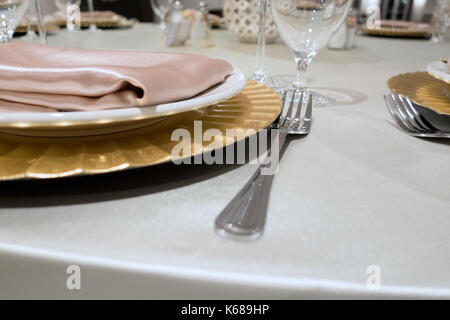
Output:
x=93 y=29
x=262 y=78
x=280 y=85
x=30 y=37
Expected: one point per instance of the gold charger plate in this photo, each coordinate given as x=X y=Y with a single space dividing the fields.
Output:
x=21 y=157
x=423 y=89
x=101 y=23
x=48 y=28
x=400 y=29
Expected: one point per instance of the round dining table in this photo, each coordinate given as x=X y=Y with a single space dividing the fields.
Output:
x=358 y=208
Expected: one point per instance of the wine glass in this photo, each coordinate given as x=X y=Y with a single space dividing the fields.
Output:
x=162 y=9
x=11 y=13
x=31 y=35
x=35 y=12
x=41 y=22
x=71 y=10
x=440 y=20
x=92 y=25
x=305 y=26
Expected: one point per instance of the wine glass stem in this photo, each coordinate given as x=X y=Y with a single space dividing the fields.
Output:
x=91 y=14
x=3 y=29
x=301 y=81
x=163 y=20
x=261 y=50
x=28 y=19
x=41 y=23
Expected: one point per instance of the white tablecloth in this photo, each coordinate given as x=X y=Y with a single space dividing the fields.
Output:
x=355 y=193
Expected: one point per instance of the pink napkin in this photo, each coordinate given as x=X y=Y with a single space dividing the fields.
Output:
x=38 y=78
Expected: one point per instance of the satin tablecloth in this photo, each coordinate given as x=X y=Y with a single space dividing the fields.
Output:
x=355 y=196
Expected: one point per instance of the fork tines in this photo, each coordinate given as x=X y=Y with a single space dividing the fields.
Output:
x=291 y=113
x=406 y=115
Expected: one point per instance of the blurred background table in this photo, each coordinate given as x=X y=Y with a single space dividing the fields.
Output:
x=138 y=9
x=355 y=193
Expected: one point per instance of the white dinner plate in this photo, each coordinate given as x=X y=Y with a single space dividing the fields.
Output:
x=438 y=69
x=232 y=85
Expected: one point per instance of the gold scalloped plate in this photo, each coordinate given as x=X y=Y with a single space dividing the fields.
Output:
x=400 y=29
x=102 y=23
x=21 y=157
x=50 y=28
x=423 y=89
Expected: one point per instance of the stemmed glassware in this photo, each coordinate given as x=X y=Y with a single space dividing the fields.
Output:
x=260 y=75
x=31 y=35
x=440 y=21
x=71 y=10
x=92 y=25
x=41 y=22
x=162 y=10
x=11 y=13
x=305 y=26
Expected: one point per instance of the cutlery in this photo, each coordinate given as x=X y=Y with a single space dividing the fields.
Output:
x=409 y=119
x=245 y=216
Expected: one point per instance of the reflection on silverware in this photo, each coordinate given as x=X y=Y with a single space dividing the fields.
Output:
x=409 y=119
x=244 y=217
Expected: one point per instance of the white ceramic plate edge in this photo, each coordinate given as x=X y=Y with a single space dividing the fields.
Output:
x=438 y=69
x=234 y=84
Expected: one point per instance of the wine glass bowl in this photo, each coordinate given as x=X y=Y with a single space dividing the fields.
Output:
x=11 y=13
x=305 y=26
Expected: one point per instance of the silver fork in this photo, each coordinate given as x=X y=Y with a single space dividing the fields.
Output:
x=409 y=120
x=245 y=216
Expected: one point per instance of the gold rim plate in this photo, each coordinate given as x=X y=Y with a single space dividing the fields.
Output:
x=99 y=22
x=49 y=27
x=401 y=29
x=423 y=89
x=255 y=108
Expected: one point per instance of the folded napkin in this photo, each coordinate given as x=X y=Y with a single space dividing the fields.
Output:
x=38 y=78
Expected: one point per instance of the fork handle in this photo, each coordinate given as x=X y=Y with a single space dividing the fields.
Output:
x=245 y=216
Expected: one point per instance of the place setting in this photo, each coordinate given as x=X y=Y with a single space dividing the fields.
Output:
x=108 y=111
x=156 y=138
x=145 y=112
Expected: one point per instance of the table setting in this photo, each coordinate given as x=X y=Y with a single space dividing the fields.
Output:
x=174 y=160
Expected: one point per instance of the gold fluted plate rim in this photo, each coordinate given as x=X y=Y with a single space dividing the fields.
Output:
x=32 y=157
x=49 y=27
x=423 y=89
x=103 y=23
x=396 y=32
